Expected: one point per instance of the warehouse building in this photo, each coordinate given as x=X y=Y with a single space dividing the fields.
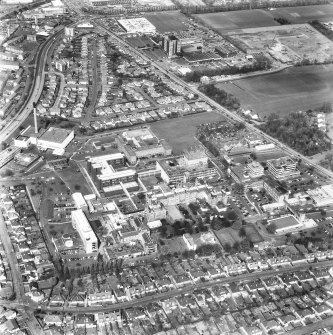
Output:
x=137 y=25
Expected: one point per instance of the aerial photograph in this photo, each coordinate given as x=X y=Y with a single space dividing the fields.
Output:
x=166 y=167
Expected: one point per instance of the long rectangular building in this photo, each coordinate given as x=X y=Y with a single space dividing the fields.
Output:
x=82 y=225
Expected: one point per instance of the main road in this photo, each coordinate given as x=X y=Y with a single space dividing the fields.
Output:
x=225 y=112
x=187 y=289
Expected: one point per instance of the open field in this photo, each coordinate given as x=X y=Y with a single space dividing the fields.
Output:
x=167 y=22
x=294 y=89
x=228 y=21
x=227 y=236
x=234 y=20
x=304 y=14
x=180 y=132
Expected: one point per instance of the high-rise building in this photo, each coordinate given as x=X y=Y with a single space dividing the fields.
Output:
x=171 y=45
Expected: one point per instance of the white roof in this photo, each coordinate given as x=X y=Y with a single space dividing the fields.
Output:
x=154 y=224
x=84 y=225
x=79 y=200
x=108 y=157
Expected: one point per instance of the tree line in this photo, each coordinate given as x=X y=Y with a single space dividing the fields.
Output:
x=248 y=5
x=260 y=63
x=222 y=97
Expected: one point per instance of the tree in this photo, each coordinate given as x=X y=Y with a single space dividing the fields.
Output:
x=227 y=247
x=242 y=232
x=236 y=246
x=231 y=215
x=272 y=228
x=77 y=187
x=326 y=108
x=4 y=145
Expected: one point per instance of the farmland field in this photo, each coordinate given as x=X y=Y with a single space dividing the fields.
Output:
x=293 y=89
x=304 y=14
x=180 y=132
x=228 y=21
x=167 y=22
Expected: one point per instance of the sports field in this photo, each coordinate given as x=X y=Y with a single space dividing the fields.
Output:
x=304 y=14
x=180 y=132
x=228 y=21
x=294 y=89
x=167 y=22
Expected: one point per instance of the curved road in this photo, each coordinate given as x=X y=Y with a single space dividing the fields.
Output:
x=36 y=89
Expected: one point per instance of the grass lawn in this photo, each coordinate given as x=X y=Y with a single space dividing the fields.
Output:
x=294 y=89
x=227 y=236
x=253 y=234
x=180 y=132
x=74 y=180
x=167 y=22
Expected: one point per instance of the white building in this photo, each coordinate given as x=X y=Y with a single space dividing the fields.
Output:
x=7 y=65
x=82 y=225
x=55 y=138
x=79 y=200
x=137 y=25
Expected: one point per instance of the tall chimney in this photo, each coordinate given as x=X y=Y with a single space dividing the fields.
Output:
x=35 y=118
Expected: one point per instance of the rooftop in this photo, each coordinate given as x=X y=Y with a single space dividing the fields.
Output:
x=284 y=222
x=56 y=135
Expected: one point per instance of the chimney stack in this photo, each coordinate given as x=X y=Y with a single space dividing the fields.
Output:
x=35 y=118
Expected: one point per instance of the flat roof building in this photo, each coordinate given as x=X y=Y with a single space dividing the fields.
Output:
x=285 y=224
x=108 y=172
x=8 y=154
x=141 y=143
x=55 y=138
x=137 y=25
x=79 y=200
x=82 y=225
x=282 y=168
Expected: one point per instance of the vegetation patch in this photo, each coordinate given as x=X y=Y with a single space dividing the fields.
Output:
x=298 y=131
